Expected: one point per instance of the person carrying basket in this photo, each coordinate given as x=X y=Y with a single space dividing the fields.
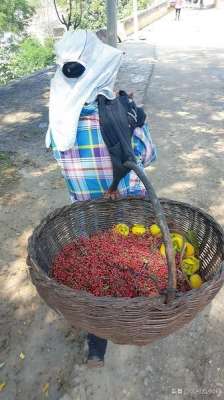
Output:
x=92 y=131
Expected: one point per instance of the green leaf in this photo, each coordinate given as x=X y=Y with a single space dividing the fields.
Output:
x=154 y=277
x=105 y=287
x=191 y=237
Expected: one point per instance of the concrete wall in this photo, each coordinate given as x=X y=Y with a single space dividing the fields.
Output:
x=145 y=17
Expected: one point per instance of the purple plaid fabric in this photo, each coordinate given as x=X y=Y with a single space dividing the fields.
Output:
x=87 y=167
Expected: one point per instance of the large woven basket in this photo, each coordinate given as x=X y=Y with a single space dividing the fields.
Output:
x=138 y=320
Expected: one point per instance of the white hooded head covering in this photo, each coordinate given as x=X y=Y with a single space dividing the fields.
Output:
x=68 y=95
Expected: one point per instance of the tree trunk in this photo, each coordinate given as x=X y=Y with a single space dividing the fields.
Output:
x=112 y=22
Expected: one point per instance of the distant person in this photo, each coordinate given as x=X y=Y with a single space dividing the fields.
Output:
x=178 y=5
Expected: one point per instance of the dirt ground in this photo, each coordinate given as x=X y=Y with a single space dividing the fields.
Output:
x=177 y=70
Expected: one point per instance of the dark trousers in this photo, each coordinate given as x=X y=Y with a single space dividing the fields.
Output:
x=178 y=13
x=97 y=346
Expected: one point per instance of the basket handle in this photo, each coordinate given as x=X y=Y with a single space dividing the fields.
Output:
x=171 y=290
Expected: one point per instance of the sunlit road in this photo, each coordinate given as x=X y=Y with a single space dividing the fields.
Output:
x=185 y=104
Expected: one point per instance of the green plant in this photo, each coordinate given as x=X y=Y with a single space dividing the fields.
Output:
x=6 y=73
x=125 y=7
x=31 y=56
x=91 y=14
x=94 y=15
x=14 y=15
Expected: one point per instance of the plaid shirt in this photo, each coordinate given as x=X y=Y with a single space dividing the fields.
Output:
x=87 y=167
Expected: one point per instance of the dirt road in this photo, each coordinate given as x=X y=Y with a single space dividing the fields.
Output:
x=40 y=357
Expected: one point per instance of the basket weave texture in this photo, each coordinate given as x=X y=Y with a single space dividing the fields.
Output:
x=140 y=320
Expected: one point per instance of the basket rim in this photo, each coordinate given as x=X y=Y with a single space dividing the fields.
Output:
x=163 y=200
x=160 y=300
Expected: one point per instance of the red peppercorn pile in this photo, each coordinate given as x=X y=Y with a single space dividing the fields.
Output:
x=109 y=264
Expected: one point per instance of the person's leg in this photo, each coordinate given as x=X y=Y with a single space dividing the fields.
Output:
x=97 y=349
x=177 y=14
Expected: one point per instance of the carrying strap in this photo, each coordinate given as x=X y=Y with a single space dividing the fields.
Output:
x=118 y=119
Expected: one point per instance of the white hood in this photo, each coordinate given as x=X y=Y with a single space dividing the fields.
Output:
x=68 y=95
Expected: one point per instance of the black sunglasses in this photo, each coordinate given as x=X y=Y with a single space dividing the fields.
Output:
x=73 y=69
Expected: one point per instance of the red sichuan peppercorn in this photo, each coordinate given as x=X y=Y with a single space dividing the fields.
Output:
x=108 y=264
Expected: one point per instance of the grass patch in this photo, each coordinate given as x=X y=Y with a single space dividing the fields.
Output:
x=5 y=160
x=8 y=172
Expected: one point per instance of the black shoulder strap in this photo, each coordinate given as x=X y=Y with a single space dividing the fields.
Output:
x=118 y=119
x=136 y=115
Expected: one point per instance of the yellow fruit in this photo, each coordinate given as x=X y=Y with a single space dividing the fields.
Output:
x=2 y=386
x=162 y=250
x=190 y=265
x=138 y=229
x=178 y=241
x=195 y=281
x=122 y=229
x=189 y=251
x=154 y=230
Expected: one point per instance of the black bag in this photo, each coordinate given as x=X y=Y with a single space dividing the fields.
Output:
x=118 y=119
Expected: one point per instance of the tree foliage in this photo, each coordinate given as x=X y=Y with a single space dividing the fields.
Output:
x=70 y=14
x=91 y=14
x=94 y=15
x=29 y=56
x=125 y=7
x=14 y=15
